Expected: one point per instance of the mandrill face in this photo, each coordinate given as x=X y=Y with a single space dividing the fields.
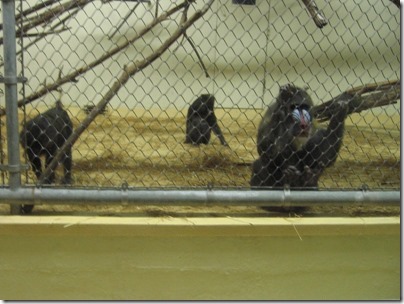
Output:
x=301 y=125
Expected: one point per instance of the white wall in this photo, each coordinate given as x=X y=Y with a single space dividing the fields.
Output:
x=249 y=51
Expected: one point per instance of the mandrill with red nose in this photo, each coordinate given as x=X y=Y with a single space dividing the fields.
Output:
x=293 y=152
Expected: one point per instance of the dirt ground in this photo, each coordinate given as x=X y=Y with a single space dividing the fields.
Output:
x=144 y=148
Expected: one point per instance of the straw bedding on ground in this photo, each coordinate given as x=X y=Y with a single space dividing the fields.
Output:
x=144 y=148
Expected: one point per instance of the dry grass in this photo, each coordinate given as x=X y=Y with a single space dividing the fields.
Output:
x=145 y=149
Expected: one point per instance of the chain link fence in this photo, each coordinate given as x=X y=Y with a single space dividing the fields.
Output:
x=126 y=73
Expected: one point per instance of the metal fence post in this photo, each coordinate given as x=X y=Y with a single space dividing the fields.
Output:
x=10 y=82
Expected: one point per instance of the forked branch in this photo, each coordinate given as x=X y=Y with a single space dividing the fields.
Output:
x=363 y=98
x=128 y=72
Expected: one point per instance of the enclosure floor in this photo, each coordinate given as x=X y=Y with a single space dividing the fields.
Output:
x=144 y=148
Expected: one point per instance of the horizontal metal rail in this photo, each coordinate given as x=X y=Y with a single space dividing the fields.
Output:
x=285 y=198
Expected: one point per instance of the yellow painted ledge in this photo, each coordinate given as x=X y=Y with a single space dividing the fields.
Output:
x=166 y=258
x=201 y=225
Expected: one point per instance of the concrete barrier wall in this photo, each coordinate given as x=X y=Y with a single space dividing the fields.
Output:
x=199 y=258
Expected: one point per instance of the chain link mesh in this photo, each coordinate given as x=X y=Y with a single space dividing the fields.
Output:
x=78 y=50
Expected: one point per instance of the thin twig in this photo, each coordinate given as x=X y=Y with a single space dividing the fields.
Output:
x=127 y=73
x=197 y=54
x=184 y=18
x=156 y=13
x=124 y=20
x=72 y=77
x=50 y=14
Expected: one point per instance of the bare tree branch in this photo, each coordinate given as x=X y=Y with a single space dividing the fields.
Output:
x=72 y=77
x=32 y=9
x=50 y=14
x=128 y=72
x=52 y=30
x=363 y=98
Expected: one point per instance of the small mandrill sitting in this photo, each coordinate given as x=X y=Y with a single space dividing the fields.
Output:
x=201 y=120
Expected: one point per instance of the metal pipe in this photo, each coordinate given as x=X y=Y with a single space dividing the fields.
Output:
x=198 y=197
x=10 y=80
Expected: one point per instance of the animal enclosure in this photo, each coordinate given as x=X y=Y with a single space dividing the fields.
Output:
x=126 y=72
